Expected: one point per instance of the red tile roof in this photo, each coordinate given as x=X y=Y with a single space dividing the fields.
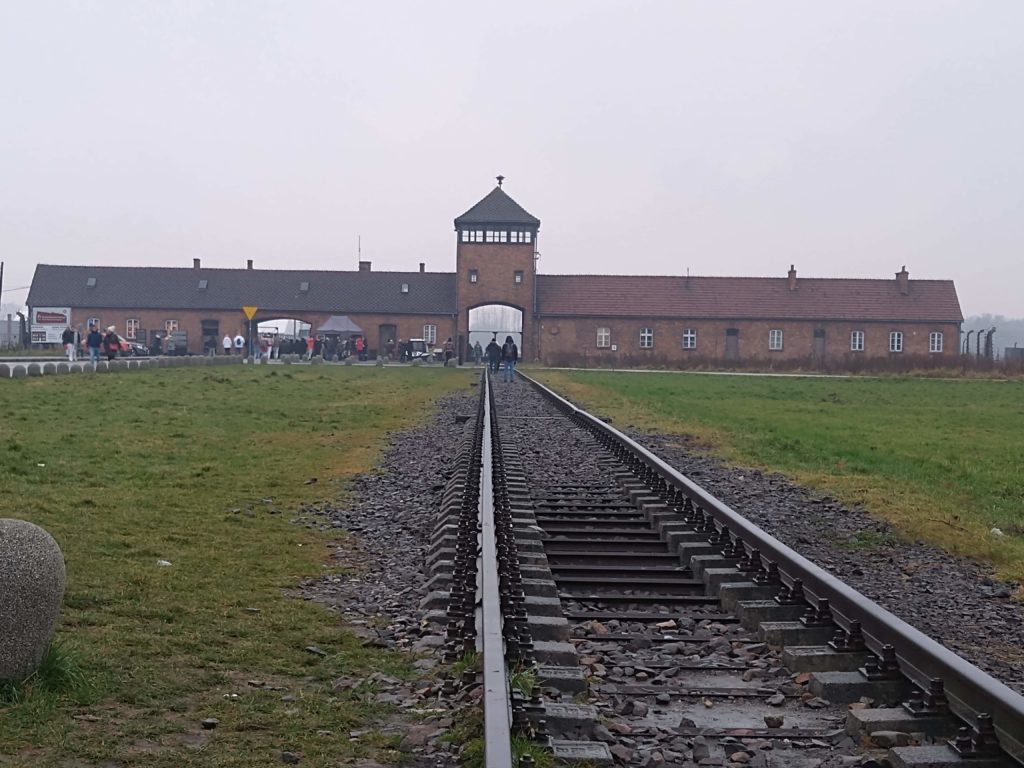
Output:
x=747 y=298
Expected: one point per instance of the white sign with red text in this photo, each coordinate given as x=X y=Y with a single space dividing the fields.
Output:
x=48 y=323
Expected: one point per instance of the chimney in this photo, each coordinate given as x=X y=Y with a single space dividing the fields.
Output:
x=423 y=267
x=792 y=278
x=903 y=280
x=364 y=266
x=195 y=263
x=248 y=264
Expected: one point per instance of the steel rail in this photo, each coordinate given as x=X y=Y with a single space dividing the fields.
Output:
x=497 y=697
x=970 y=690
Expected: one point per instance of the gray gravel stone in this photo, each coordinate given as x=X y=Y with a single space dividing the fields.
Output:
x=32 y=584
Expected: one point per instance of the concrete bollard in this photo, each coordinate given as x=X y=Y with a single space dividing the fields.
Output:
x=18 y=372
x=35 y=369
x=62 y=368
x=49 y=369
x=5 y=371
x=32 y=583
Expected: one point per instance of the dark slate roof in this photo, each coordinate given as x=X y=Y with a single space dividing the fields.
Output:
x=268 y=289
x=497 y=208
x=747 y=298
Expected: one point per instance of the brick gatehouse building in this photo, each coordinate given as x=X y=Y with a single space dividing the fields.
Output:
x=599 y=320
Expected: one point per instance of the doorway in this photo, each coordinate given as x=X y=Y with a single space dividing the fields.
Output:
x=818 y=346
x=386 y=333
x=732 y=343
x=211 y=336
x=494 y=321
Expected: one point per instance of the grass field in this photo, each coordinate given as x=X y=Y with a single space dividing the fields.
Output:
x=203 y=468
x=942 y=459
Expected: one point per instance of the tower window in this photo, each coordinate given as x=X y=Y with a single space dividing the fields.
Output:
x=472 y=236
x=520 y=236
x=519 y=276
x=496 y=236
x=474 y=276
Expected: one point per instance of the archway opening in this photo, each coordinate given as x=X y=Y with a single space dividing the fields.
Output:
x=495 y=321
x=284 y=335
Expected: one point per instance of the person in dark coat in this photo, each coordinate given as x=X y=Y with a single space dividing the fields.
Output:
x=493 y=355
x=94 y=341
x=509 y=358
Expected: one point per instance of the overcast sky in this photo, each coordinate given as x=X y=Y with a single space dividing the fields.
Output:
x=649 y=137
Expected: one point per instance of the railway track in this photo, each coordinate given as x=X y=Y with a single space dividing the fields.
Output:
x=643 y=622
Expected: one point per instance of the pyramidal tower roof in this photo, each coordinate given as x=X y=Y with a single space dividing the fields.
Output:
x=497 y=208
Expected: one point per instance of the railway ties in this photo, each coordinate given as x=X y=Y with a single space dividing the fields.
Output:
x=662 y=628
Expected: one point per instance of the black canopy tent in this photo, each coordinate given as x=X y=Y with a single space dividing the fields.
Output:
x=339 y=325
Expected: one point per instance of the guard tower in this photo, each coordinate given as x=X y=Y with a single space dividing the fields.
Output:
x=496 y=244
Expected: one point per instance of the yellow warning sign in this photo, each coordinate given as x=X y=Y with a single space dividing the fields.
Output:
x=250 y=312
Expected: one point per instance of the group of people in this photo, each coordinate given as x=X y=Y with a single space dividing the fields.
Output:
x=96 y=343
x=236 y=343
x=504 y=357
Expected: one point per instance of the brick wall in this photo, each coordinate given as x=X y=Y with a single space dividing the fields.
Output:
x=561 y=338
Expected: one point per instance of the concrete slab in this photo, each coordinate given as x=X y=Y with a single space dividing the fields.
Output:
x=821 y=658
x=543 y=606
x=716 y=577
x=778 y=634
x=591 y=752
x=555 y=653
x=752 y=613
x=731 y=593
x=867 y=721
x=848 y=687
x=566 y=679
x=938 y=756
x=552 y=628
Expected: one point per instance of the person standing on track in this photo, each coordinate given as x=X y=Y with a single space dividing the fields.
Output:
x=226 y=343
x=509 y=358
x=493 y=355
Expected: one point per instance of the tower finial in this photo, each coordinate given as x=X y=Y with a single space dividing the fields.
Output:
x=500 y=179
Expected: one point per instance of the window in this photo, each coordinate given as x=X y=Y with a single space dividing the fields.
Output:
x=646 y=338
x=896 y=341
x=935 y=341
x=690 y=338
x=204 y=284
x=90 y=282
x=604 y=338
x=856 y=341
x=303 y=287
x=519 y=276
x=405 y=288
x=131 y=328
x=519 y=237
x=472 y=236
x=170 y=326
x=474 y=276
x=775 y=339
x=496 y=236
x=430 y=334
